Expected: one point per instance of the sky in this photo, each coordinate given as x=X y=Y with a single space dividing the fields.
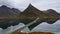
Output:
x=39 y=4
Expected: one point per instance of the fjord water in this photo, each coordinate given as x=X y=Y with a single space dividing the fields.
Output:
x=43 y=27
x=13 y=28
x=57 y=33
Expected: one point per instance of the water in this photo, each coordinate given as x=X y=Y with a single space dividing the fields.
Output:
x=12 y=28
x=57 y=32
x=44 y=27
x=48 y=27
x=41 y=27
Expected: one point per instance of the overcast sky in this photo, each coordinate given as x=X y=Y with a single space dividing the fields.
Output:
x=40 y=4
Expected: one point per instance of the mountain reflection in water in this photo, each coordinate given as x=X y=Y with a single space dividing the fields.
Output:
x=41 y=27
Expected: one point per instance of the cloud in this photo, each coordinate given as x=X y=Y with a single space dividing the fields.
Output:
x=48 y=4
x=40 y=4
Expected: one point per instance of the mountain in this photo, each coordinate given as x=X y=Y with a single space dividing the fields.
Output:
x=16 y=10
x=27 y=16
x=31 y=13
x=8 y=16
x=7 y=12
x=51 y=12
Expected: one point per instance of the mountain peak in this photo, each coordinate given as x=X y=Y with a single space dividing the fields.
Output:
x=4 y=6
x=30 y=5
x=30 y=8
x=51 y=10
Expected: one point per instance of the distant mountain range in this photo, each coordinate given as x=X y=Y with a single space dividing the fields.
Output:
x=8 y=12
x=28 y=15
